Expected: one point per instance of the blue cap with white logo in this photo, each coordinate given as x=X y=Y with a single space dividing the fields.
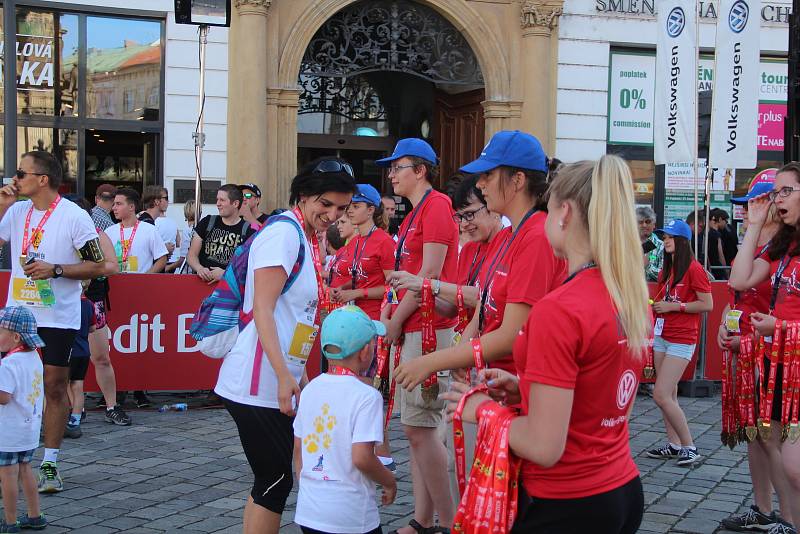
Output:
x=510 y=149
x=756 y=191
x=367 y=193
x=410 y=147
x=677 y=228
x=346 y=331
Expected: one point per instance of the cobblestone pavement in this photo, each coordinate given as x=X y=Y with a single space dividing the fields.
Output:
x=185 y=472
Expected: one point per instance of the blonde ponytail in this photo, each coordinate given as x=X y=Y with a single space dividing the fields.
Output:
x=603 y=192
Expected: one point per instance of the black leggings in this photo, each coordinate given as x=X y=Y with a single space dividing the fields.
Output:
x=267 y=438
x=618 y=511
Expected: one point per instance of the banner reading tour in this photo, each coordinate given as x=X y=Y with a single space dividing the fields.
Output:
x=734 y=111
x=675 y=118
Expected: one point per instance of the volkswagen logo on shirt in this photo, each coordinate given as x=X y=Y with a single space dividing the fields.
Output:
x=626 y=389
x=737 y=18
x=676 y=20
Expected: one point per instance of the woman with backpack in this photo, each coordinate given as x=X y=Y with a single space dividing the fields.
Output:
x=684 y=293
x=260 y=378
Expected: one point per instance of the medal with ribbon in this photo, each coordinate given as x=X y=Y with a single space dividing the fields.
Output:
x=36 y=235
x=430 y=387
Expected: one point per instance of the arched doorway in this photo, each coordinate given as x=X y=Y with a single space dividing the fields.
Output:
x=380 y=70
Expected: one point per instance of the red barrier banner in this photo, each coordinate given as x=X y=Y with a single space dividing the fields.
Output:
x=149 y=339
x=151 y=347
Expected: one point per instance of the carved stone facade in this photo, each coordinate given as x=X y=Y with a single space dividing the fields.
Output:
x=252 y=7
x=540 y=17
x=515 y=65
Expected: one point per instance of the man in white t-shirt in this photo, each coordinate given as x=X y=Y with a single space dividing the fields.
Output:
x=338 y=423
x=138 y=245
x=54 y=246
x=156 y=199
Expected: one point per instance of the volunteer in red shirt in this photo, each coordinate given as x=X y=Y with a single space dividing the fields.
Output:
x=370 y=258
x=370 y=253
x=578 y=360
x=684 y=292
x=782 y=267
x=521 y=271
x=481 y=227
x=339 y=265
x=427 y=245
x=764 y=457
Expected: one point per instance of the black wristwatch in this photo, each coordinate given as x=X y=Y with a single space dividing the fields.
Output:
x=58 y=271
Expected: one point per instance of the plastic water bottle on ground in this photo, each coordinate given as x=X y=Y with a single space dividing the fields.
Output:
x=178 y=407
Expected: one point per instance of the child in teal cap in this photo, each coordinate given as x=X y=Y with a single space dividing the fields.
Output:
x=339 y=421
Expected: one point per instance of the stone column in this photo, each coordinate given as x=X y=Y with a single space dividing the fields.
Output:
x=501 y=115
x=539 y=61
x=247 y=95
x=282 y=105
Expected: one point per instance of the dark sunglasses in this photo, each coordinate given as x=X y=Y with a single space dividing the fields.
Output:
x=331 y=165
x=22 y=174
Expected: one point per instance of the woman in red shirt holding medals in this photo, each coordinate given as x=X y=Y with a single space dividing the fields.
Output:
x=427 y=245
x=521 y=271
x=482 y=227
x=764 y=457
x=782 y=267
x=684 y=292
x=577 y=363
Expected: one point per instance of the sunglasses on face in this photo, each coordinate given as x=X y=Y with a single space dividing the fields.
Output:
x=22 y=174
x=331 y=165
x=248 y=195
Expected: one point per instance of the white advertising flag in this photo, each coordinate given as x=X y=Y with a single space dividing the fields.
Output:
x=734 y=113
x=675 y=121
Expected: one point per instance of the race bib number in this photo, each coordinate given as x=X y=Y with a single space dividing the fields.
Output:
x=129 y=266
x=33 y=293
x=659 y=326
x=732 y=319
x=302 y=342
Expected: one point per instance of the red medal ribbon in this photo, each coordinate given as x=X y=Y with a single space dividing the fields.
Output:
x=789 y=347
x=315 y=256
x=426 y=310
x=794 y=431
x=127 y=250
x=489 y=500
x=18 y=348
x=398 y=348
x=477 y=354
x=766 y=405
x=463 y=316
x=341 y=371
x=382 y=357
x=726 y=391
x=36 y=234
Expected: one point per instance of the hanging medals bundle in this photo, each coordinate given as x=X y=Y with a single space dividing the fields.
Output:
x=430 y=387
x=489 y=500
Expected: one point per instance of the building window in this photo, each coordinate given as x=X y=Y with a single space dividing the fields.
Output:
x=123 y=57
x=121 y=67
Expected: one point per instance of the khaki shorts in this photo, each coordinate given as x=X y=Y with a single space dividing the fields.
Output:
x=414 y=410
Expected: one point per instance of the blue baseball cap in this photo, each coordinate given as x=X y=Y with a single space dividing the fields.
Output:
x=410 y=147
x=756 y=191
x=511 y=149
x=367 y=193
x=677 y=228
x=347 y=330
x=21 y=321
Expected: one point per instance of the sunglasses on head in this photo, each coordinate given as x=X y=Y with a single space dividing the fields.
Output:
x=332 y=165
